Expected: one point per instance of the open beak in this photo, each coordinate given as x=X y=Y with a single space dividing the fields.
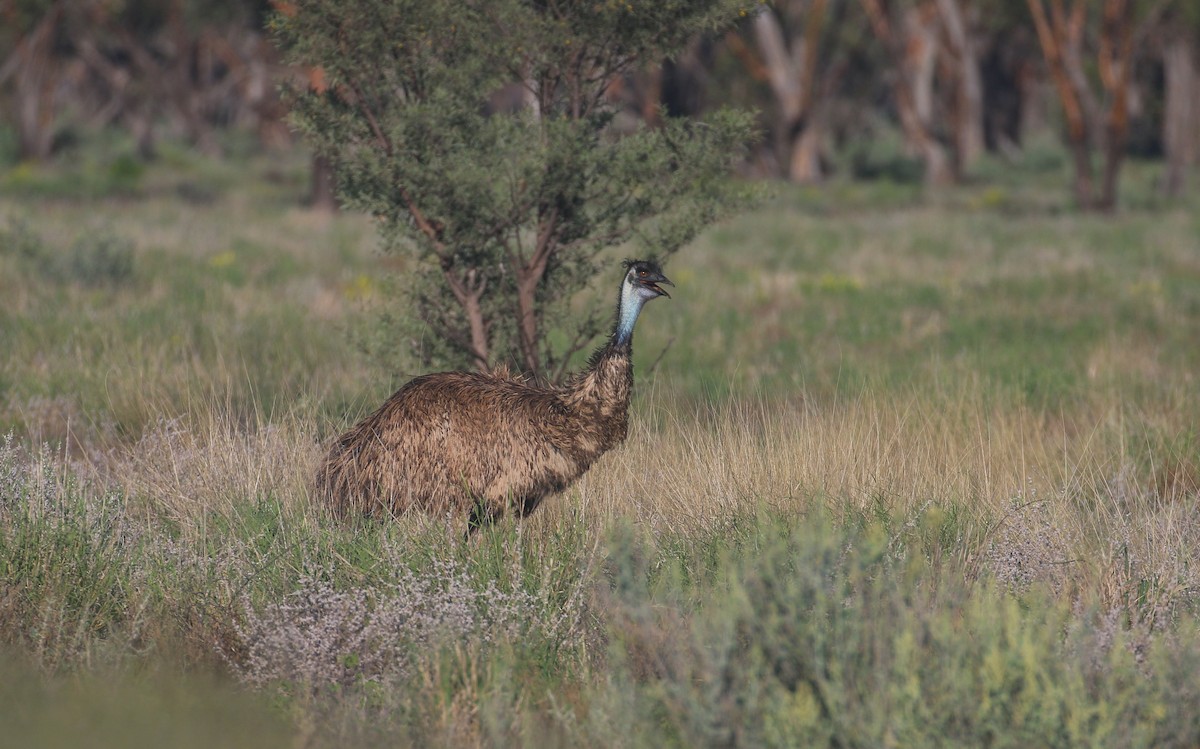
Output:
x=654 y=281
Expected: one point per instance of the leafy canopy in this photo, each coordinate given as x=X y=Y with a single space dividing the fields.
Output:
x=484 y=136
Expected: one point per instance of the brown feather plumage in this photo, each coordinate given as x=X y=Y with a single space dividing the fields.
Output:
x=480 y=443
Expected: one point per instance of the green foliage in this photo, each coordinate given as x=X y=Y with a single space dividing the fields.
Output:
x=816 y=635
x=20 y=241
x=507 y=206
x=98 y=260
x=98 y=166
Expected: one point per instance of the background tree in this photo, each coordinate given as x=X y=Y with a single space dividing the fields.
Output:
x=910 y=35
x=1013 y=79
x=506 y=212
x=1179 y=34
x=28 y=32
x=961 y=50
x=1095 y=107
x=833 y=81
x=186 y=67
x=803 y=58
x=188 y=64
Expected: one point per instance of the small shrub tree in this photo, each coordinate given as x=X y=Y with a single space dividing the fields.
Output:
x=481 y=134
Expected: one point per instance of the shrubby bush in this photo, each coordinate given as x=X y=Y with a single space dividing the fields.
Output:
x=816 y=635
x=482 y=136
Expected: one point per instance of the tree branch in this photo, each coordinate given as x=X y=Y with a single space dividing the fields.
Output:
x=585 y=333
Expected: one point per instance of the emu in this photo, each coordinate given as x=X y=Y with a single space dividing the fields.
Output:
x=485 y=443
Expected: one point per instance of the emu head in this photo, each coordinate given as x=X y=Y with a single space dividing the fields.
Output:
x=643 y=277
x=643 y=282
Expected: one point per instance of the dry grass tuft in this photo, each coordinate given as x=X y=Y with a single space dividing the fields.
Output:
x=193 y=465
x=1059 y=500
x=876 y=451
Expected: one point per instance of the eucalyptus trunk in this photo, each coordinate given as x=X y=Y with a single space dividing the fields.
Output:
x=1181 y=118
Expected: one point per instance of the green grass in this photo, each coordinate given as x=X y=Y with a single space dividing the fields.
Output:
x=885 y=297
x=915 y=469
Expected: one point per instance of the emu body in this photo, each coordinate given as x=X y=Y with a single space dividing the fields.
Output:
x=484 y=444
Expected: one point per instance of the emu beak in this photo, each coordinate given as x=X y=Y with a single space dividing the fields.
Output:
x=654 y=281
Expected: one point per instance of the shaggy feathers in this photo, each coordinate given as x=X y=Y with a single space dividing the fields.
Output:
x=485 y=443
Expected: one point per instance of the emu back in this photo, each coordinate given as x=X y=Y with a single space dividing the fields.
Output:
x=448 y=442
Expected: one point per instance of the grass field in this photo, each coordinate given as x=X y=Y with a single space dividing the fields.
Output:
x=909 y=470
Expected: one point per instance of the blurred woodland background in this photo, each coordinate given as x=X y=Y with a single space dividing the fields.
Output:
x=945 y=80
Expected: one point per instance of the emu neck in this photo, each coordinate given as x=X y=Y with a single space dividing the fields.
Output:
x=628 y=309
x=606 y=383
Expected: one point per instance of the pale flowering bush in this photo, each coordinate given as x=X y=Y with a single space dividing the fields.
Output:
x=39 y=491
x=321 y=636
x=1031 y=547
x=28 y=480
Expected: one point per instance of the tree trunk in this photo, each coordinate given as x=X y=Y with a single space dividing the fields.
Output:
x=1116 y=129
x=1116 y=60
x=184 y=89
x=1032 y=88
x=921 y=52
x=790 y=66
x=968 y=125
x=914 y=58
x=804 y=166
x=527 y=317
x=529 y=274
x=1062 y=34
x=1181 y=118
x=35 y=81
x=1061 y=38
x=322 y=196
x=468 y=288
x=1081 y=154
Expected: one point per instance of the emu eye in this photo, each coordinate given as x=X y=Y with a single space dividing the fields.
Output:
x=642 y=272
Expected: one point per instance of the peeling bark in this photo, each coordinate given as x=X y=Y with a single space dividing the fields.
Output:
x=1057 y=43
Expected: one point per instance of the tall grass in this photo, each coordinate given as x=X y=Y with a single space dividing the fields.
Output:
x=818 y=622
x=908 y=473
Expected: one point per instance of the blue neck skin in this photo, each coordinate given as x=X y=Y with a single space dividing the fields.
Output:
x=627 y=314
